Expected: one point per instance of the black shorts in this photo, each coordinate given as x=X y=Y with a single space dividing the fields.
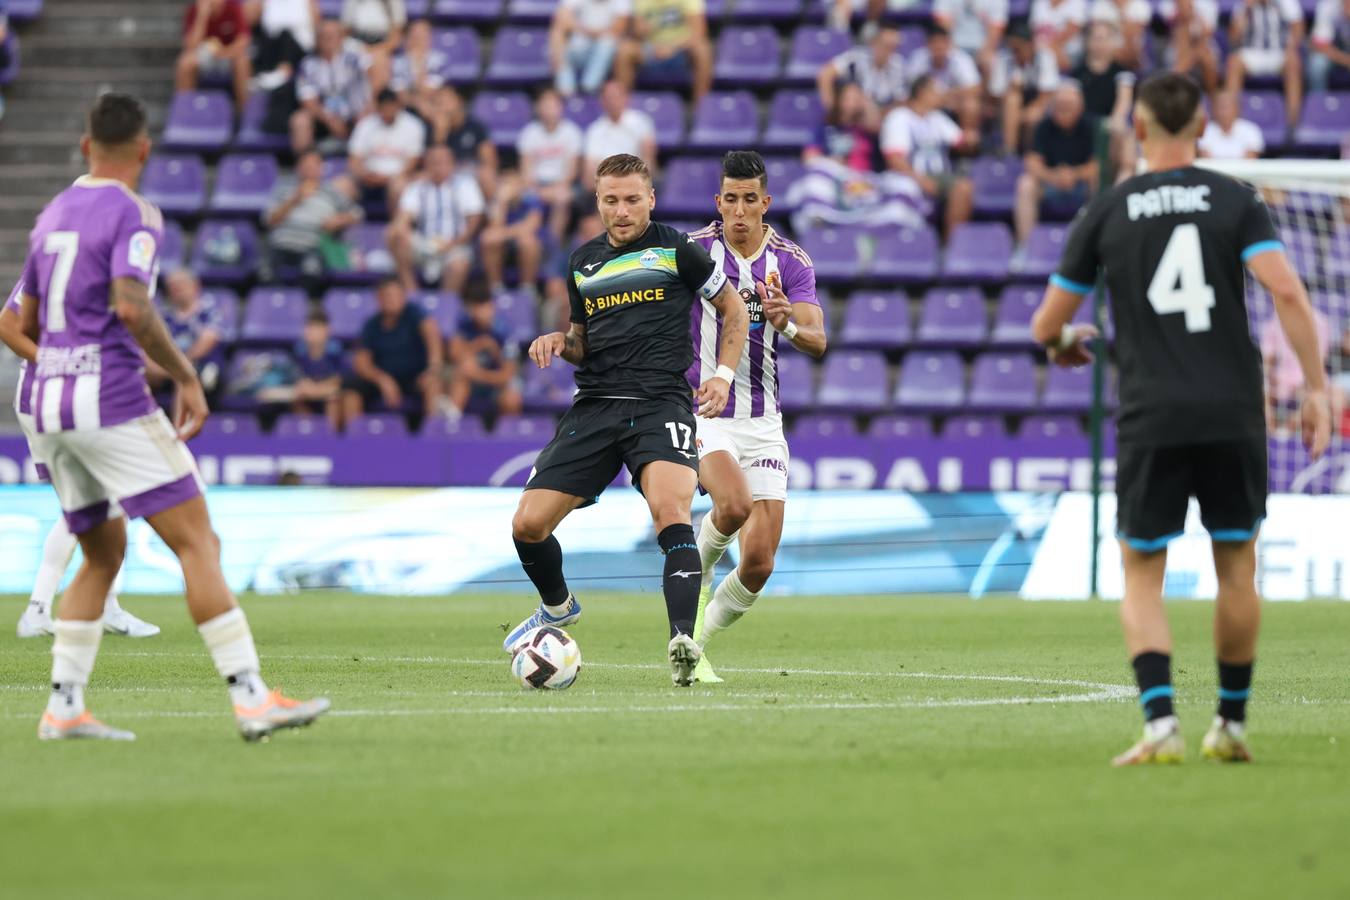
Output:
x=1154 y=486
x=598 y=436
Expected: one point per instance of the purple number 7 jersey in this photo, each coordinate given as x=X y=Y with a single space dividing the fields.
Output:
x=89 y=372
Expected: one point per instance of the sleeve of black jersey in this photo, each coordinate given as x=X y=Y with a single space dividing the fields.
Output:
x=1256 y=229
x=574 y=293
x=697 y=270
x=1078 y=265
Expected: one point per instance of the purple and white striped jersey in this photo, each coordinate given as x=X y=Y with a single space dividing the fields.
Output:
x=90 y=373
x=23 y=397
x=755 y=391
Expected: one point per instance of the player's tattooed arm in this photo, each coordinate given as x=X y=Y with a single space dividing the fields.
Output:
x=12 y=335
x=132 y=304
x=574 y=344
x=570 y=346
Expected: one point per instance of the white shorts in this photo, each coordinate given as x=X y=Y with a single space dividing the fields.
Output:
x=28 y=425
x=140 y=466
x=757 y=444
x=1262 y=62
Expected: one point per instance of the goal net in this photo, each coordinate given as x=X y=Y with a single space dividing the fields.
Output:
x=1310 y=202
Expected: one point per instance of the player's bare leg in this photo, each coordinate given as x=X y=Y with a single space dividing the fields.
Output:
x=759 y=539
x=1237 y=620
x=1148 y=638
x=186 y=529
x=538 y=515
x=669 y=490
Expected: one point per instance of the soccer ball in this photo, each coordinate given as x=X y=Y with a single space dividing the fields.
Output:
x=546 y=658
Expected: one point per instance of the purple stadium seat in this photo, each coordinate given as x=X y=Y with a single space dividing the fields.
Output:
x=725 y=120
x=251 y=135
x=525 y=428
x=228 y=425
x=295 y=425
x=467 y=428
x=1051 y=427
x=175 y=183
x=582 y=109
x=199 y=120
x=481 y=11
x=1012 y=322
x=876 y=320
x=348 y=310
x=978 y=251
x=793 y=119
x=225 y=252
x=380 y=426
x=973 y=428
x=1044 y=247
x=1266 y=110
x=690 y=186
x=766 y=10
x=463 y=52
x=905 y=255
x=504 y=115
x=1067 y=390
x=444 y=308
x=274 y=315
x=835 y=251
x=520 y=313
x=225 y=303
x=783 y=172
x=367 y=253
x=532 y=12
x=551 y=389
x=11 y=71
x=748 y=56
x=952 y=317
x=21 y=11
x=831 y=426
x=854 y=380
x=931 y=381
x=812 y=47
x=667 y=112
x=1325 y=123
x=796 y=381
x=895 y=425
x=519 y=57
x=1003 y=381
x=330 y=9
x=171 y=254
x=244 y=184
x=995 y=182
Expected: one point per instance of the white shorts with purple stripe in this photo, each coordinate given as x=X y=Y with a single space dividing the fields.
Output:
x=759 y=448
x=29 y=428
x=140 y=465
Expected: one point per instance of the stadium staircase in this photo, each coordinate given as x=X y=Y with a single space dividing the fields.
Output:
x=77 y=49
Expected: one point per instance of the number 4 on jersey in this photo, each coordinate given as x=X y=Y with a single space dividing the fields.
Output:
x=1178 y=284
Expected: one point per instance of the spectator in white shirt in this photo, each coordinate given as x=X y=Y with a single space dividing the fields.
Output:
x=550 y=154
x=1131 y=18
x=917 y=141
x=1330 y=44
x=953 y=72
x=583 y=40
x=618 y=130
x=1058 y=25
x=1227 y=136
x=439 y=216
x=1023 y=78
x=874 y=67
x=1192 y=48
x=976 y=26
x=1265 y=36
x=385 y=149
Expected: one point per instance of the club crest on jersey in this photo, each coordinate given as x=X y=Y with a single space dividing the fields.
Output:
x=141 y=251
x=649 y=259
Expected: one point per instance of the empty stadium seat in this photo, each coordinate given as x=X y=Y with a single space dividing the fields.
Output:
x=1012 y=322
x=244 y=184
x=379 y=426
x=201 y=121
x=905 y=255
x=1052 y=427
x=1265 y=109
x=690 y=186
x=930 y=381
x=519 y=57
x=973 y=428
x=876 y=320
x=583 y=109
x=995 y=181
x=796 y=381
x=503 y=114
x=854 y=380
x=176 y=183
x=899 y=425
x=811 y=48
x=298 y=425
x=794 y=117
x=251 y=135
x=1325 y=123
x=1043 y=249
x=952 y=317
x=442 y=307
x=348 y=310
x=826 y=426
x=836 y=252
x=1005 y=382
x=725 y=120
x=518 y=311
x=443 y=428
x=171 y=252
x=550 y=389
x=749 y=55
x=525 y=428
x=463 y=52
x=667 y=112
x=230 y=425
x=274 y=315
x=1067 y=390
x=979 y=252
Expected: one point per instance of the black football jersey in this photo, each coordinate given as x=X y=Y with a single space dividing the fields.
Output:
x=635 y=302
x=1172 y=248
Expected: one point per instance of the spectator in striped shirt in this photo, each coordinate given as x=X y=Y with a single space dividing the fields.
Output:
x=438 y=219
x=1330 y=44
x=1265 y=37
x=876 y=68
x=332 y=87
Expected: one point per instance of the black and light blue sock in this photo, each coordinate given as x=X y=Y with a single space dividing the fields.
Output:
x=683 y=577
x=1153 y=672
x=1235 y=685
x=544 y=564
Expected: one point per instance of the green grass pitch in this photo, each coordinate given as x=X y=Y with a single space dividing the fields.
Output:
x=868 y=747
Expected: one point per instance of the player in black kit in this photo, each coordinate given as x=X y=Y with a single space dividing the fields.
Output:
x=632 y=291
x=1173 y=244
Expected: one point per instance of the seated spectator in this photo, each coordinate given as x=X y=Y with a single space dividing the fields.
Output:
x=831 y=193
x=1130 y=18
x=398 y=356
x=319 y=365
x=976 y=26
x=917 y=141
x=1192 y=48
x=283 y=33
x=194 y=328
x=1061 y=169
x=485 y=360
x=849 y=133
x=1058 y=26
x=332 y=88
x=305 y=215
x=438 y=218
x=618 y=130
x=1330 y=44
x=514 y=223
x=384 y=151
x=1108 y=86
x=953 y=72
x=875 y=67
x=670 y=39
x=468 y=139
x=1264 y=37
x=1023 y=79
x=549 y=149
x=583 y=40
x=1227 y=136
x=379 y=25
x=417 y=70
x=215 y=43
